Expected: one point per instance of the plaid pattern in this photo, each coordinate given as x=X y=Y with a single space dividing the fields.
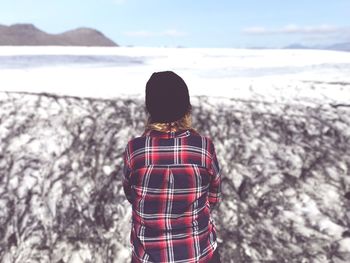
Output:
x=172 y=181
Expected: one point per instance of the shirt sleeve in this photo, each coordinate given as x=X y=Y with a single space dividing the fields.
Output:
x=215 y=182
x=126 y=174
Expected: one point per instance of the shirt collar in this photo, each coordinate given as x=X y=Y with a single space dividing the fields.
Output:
x=167 y=135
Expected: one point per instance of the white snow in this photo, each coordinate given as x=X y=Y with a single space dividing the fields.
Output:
x=273 y=75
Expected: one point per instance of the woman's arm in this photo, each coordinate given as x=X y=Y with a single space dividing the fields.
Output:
x=215 y=182
x=126 y=174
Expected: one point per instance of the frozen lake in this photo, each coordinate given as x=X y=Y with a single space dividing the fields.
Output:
x=272 y=75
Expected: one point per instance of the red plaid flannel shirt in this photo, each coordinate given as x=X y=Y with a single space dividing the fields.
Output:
x=172 y=181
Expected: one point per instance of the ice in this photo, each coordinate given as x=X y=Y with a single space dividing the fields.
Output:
x=108 y=72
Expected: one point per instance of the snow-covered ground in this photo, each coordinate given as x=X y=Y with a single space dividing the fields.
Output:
x=107 y=72
x=285 y=168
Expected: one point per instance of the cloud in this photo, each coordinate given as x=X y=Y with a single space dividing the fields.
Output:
x=145 y=33
x=295 y=29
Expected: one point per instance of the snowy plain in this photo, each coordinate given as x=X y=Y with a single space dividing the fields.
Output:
x=285 y=165
x=107 y=72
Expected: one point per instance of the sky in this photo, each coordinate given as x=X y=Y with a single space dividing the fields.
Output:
x=191 y=23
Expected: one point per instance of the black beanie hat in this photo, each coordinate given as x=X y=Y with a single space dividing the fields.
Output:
x=167 y=97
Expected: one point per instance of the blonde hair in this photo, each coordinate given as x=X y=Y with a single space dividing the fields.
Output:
x=182 y=124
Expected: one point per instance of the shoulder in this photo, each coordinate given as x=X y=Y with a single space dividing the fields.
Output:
x=204 y=137
x=203 y=140
x=135 y=141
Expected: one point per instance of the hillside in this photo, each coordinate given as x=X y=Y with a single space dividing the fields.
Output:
x=29 y=35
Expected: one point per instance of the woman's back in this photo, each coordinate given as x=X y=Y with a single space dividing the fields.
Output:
x=172 y=179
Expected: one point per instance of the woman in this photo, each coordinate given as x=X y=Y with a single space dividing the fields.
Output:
x=172 y=179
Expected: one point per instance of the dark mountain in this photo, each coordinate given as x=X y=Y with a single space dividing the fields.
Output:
x=296 y=46
x=29 y=35
x=338 y=47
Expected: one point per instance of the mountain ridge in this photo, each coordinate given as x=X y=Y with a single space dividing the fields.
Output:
x=23 y=34
x=344 y=46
